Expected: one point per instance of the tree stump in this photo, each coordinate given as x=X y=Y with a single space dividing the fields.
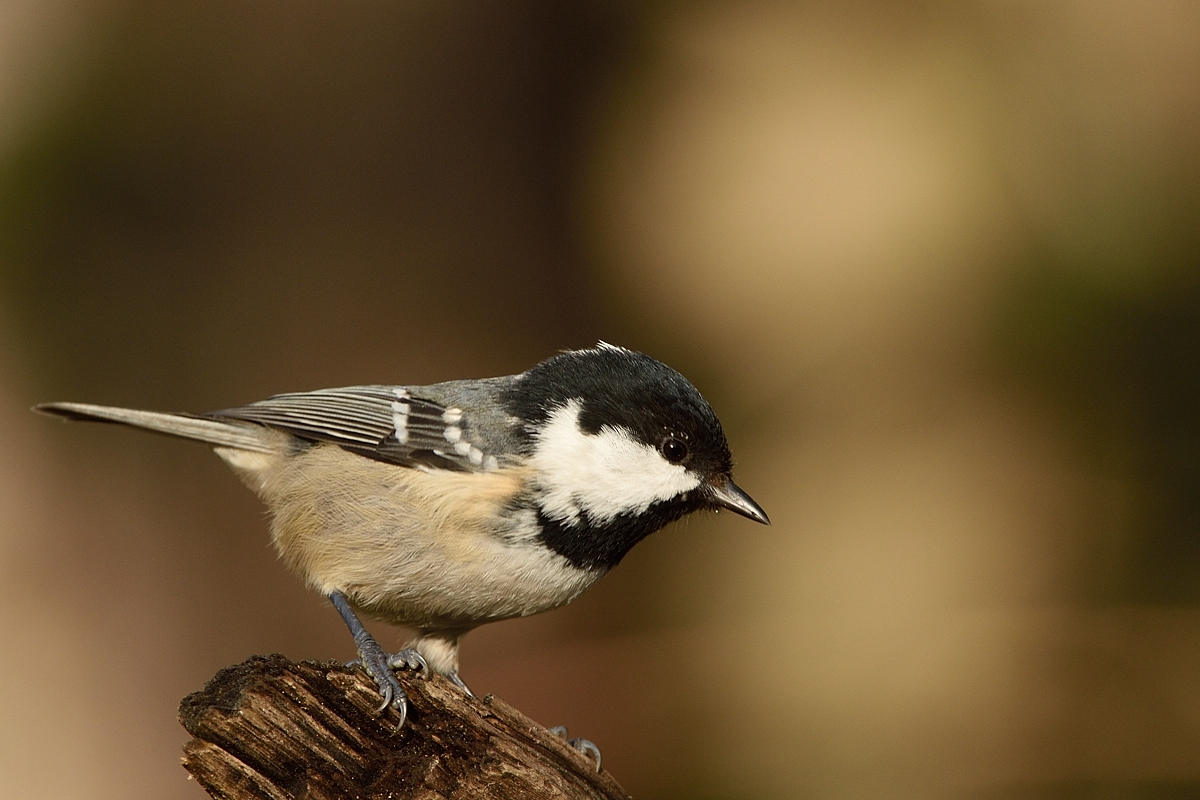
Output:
x=270 y=728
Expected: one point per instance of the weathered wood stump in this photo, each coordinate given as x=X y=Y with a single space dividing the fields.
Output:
x=272 y=728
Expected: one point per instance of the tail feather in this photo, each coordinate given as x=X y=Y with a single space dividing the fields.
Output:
x=240 y=435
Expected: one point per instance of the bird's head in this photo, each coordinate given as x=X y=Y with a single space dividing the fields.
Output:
x=621 y=444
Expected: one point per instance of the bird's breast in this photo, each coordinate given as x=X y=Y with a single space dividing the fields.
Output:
x=428 y=549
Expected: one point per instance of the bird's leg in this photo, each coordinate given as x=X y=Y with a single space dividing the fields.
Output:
x=376 y=662
x=582 y=745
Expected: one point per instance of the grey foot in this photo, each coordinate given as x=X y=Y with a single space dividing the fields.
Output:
x=377 y=663
x=457 y=681
x=582 y=745
x=409 y=659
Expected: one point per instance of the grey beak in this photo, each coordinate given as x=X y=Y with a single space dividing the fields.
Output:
x=728 y=495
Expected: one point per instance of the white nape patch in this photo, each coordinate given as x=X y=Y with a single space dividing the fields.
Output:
x=452 y=434
x=400 y=411
x=452 y=415
x=604 y=474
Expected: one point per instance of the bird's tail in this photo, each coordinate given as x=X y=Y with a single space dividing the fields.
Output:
x=218 y=433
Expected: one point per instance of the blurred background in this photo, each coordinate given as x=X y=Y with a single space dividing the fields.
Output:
x=936 y=265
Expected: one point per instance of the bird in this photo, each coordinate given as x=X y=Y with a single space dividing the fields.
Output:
x=444 y=507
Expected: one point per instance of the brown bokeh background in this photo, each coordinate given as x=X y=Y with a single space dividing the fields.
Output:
x=936 y=265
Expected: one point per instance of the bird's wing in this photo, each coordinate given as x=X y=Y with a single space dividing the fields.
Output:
x=386 y=423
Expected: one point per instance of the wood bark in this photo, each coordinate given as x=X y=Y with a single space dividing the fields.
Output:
x=271 y=728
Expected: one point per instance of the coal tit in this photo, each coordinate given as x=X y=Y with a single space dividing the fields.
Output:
x=444 y=507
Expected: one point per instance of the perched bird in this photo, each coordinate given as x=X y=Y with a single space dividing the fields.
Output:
x=443 y=507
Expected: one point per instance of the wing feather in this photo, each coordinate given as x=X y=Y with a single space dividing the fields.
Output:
x=364 y=419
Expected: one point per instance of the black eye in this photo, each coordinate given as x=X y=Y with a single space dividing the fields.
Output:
x=673 y=450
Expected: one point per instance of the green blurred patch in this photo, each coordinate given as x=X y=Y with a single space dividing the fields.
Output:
x=1118 y=365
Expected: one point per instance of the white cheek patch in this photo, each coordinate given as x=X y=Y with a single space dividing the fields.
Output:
x=604 y=475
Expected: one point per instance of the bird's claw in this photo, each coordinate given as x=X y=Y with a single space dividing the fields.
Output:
x=409 y=659
x=457 y=681
x=582 y=745
x=376 y=663
x=379 y=665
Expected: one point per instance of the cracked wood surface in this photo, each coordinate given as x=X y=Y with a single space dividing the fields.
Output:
x=274 y=729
